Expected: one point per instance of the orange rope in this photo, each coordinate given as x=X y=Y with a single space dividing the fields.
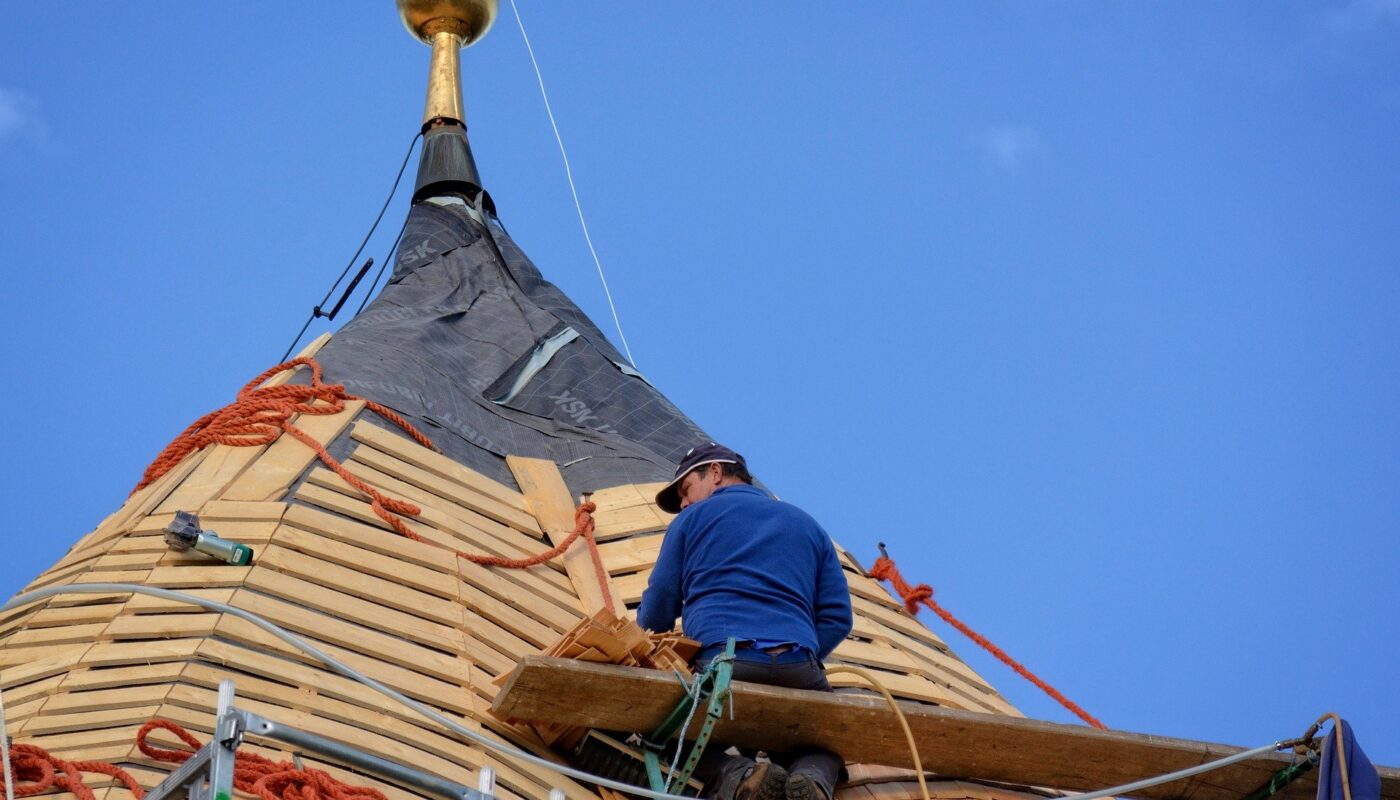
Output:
x=37 y=771
x=884 y=569
x=262 y=413
x=270 y=780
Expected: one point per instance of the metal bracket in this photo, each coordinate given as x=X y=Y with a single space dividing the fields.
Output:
x=208 y=774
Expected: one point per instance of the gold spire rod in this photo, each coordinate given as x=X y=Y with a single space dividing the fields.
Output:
x=447 y=26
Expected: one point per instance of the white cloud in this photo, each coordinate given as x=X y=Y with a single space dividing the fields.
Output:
x=1009 y=146
x=18 y=119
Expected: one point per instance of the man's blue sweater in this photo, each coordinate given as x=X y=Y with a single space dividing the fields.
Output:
x=741 y=563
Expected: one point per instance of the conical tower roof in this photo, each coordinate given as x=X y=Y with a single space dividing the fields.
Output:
x=527 y=406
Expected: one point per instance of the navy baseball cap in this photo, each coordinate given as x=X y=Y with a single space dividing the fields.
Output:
x=669 y=498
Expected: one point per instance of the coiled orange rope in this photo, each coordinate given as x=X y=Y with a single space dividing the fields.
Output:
x=884 y=569
x=260 y=414
x=270 y=780
x=37 y=771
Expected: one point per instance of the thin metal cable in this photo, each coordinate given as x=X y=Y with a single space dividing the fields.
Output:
x=390 y=257
x=569 y=173
x=5 y=749
x=1130 y=788
x=306 y=647
x=393 y=190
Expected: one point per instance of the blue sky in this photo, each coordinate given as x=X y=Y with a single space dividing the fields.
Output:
x=1089 y=310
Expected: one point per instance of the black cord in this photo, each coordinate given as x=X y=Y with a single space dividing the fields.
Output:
x=388 y=258
x=316 y=311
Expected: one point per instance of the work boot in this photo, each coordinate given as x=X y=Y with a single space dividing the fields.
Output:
x=764 y=781
x=806 y=786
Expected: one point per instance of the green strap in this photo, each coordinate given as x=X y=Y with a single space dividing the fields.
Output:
x=1282 y=778
x=713 y=684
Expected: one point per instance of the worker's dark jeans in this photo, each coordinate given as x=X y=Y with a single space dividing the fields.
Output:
x=795 y=670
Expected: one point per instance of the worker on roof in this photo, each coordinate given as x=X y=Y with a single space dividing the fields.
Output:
x=739 y=563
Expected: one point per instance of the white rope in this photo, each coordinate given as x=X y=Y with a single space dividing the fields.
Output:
x=306 y=647
x=5 y=749
x=569 y=173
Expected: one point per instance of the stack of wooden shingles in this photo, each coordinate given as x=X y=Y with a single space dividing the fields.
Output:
x=605 y=639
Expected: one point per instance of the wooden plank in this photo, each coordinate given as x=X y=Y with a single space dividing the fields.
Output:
x=552 y=504
x=867 y=587
x=375 y=644
x=631 y=554
x=216 y=654
x=82 y=743
x=476 y=534
x=903 y=687
x=220 y=467
x=18 y=714
x=369 y=537
x=21 y=671
x=451 y=531
x=898 y=619
x=409 y=599
x=423 y=579
x=507 y=615
x=37 y=690
x=380 y=713
x=494 y=581
x=300 y=676
x=862 y=729
x=37 y=637
x=873 y=654
x=371 y=615
x=241 y=510
x=147 y=604
x=512 y=514
x=161 y=626
x=111 y=677
x=88 y=720
x=143 y=559
x=326 y=490
x=279 y=465
x=406 y=449
x=885 y=656
x=118 y=654
x=629 y=509
x=196 y=577
x=628 y=589
x=106 y=699
x=412 y=683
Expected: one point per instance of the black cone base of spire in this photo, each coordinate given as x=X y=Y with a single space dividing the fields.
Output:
x=446 y=165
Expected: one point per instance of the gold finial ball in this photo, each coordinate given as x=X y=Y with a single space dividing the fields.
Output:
x=469 y=19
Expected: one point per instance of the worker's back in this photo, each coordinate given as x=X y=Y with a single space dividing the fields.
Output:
x=751 y=567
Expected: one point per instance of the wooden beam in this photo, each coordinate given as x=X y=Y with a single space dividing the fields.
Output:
x=952 y=743
x=548 y=498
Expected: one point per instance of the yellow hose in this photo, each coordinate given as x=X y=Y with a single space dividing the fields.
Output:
x=889 y=698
